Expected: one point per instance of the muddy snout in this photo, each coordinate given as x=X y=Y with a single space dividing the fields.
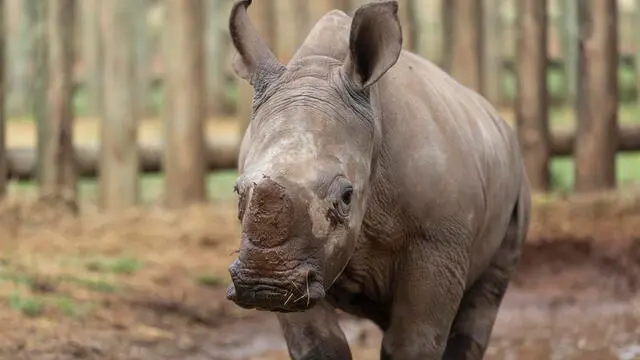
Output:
x=295 y=290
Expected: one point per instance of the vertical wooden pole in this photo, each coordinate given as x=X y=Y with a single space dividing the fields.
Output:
x=597 y=134
x=59 y=167
x=118 y=176
x=18 y=41
x=38 y=17
x=569 y=33
x=446 y=57
x=492 y=51
x=302 y=18
x=184 y=158
x=3 y=135
x=345 y=5
x=636 y=36
x=531 y=101
x=216 y=54
x=142 y=55
x=466 y=62
x=92 y=54
x=409 y=21
x=285 y=35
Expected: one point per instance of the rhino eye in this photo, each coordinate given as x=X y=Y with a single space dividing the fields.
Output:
x=346 y=195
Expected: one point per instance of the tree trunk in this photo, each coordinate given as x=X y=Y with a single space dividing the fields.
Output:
x=597 y=134
x=185 y=97
x=38 y=17
x=59 y=170
x=118 y=182
x=92 y=54
x=569 y=33
x=466 y=59
x=3 y=100
x=493 y=49
x=531 y=102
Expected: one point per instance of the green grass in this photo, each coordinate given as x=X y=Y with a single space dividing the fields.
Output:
x=209 y=280
x=29 y=306
x=71 y=307
x=125 y=265
x=99 y=285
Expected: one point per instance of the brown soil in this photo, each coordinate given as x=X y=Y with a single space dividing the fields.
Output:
x=149 y=284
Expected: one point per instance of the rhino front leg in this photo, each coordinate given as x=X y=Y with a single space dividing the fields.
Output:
x=315 y=334
x=429 y=286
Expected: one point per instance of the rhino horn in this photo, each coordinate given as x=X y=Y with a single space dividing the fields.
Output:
x=269 y=214
x=253 y=56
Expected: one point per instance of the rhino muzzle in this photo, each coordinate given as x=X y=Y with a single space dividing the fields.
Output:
x=290 y=291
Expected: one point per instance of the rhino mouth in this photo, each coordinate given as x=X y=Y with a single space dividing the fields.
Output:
x=292 y=291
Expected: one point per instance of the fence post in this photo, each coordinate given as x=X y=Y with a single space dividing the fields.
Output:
x=636 y=38
x=185 y=93
x=492 y=50
x=58 y=165
x=466 y=62
x=531 y=100
x=17 y=54
x=92 y=53
x=142 y=51
x=37 y=12
x=345 y=5
x=302 y=11
x=597 y=133
x=568 y=28
x=3 y=101
x=217 y=53
x=410 y=25
x=118 y=174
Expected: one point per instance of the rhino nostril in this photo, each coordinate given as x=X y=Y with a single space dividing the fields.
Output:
x=231 y=293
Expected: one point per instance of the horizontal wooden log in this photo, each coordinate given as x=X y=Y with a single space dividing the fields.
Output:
x=221 y=153
x=562 y=140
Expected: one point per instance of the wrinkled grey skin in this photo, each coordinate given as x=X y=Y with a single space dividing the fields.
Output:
x=372 y=182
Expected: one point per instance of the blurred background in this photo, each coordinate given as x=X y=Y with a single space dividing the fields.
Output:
x=120 y=122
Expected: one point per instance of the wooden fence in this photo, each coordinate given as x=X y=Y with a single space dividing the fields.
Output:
x=119 y=54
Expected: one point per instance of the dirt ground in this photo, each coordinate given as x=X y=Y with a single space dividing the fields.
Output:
x=149 y=284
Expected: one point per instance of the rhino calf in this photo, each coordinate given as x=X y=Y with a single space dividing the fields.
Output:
x=373 y=182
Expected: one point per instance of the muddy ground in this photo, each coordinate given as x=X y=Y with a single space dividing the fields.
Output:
x=149 y=284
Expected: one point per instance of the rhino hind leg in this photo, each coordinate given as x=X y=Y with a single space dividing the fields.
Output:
x=472 y=327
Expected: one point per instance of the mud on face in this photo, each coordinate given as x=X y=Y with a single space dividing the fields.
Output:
x=286 y=231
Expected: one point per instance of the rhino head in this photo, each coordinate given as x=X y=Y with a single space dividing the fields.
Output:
x=307 y=165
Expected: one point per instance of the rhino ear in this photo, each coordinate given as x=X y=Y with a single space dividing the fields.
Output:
x=254 y=58
x=375 y=42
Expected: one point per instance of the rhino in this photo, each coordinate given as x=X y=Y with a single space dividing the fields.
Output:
x=372 y=183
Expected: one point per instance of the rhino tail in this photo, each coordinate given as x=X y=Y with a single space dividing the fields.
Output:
x=522 y=211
